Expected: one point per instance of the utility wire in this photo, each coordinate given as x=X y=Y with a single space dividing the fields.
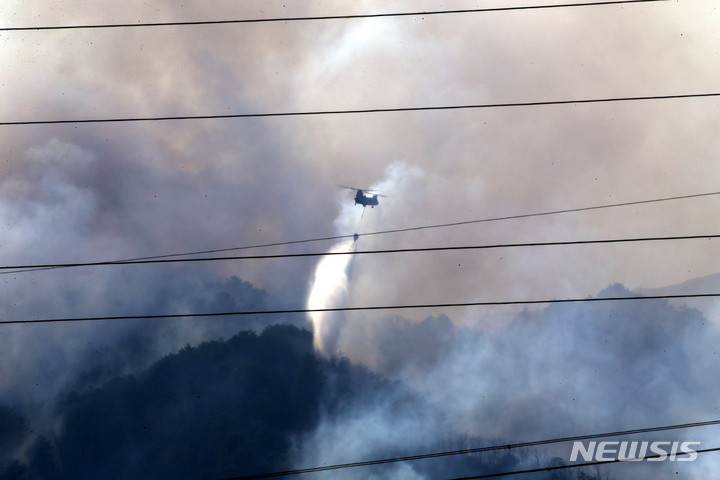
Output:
x=367 y=308
x=575 y=465
x=397 y=230
x=326 y=17
x=360 y=111
x=364 y=252
x=475 y=450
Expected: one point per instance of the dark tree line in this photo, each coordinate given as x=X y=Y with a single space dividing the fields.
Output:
x=221 y=409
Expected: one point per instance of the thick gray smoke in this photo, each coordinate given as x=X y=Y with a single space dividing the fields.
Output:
x=76 y=199
x=120 y=190
x=559 y=371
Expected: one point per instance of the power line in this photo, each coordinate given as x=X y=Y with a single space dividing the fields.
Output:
x=575 y=465
x=362 y=111
x=474 y=450
x=367 y=308
x=364 y=252
x=326 y=17
x=398 y=230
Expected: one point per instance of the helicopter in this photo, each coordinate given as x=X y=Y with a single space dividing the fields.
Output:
x=369 y=200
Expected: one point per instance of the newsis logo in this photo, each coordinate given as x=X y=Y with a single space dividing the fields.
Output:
x=634 y=451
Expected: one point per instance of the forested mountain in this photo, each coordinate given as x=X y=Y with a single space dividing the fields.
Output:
x=221 y=409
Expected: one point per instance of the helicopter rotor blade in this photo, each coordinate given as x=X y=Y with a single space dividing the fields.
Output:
x=371 y=192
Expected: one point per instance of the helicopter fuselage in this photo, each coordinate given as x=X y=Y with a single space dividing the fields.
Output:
x=365 y=200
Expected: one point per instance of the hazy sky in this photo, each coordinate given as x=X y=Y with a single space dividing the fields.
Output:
x=152 y=188
x=118 y=190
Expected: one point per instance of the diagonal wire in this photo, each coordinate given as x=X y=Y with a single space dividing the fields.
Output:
x=15 y=268
x=326 y=17
x=475 y=450
x=399 y=230
x=577 y=465
x=363 y=111
x=366 y=308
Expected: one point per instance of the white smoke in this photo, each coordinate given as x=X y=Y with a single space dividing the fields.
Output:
x=329 y=290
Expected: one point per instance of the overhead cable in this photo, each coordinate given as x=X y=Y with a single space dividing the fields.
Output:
x=580 y=465
x=366 y=308
x=474 y=450
x=364 y=252
x=326 y=17
x=397 y=230
x=361 y=111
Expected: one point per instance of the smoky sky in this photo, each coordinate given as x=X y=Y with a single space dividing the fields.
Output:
x=91 y=192
x=273 y=179
x=563 y=368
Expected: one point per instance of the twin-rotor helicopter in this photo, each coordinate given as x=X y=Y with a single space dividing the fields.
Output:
x=366 y=198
